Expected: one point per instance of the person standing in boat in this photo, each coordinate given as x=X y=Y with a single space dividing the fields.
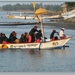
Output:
x=62 y=34
x=52 y=37
x=32 y=33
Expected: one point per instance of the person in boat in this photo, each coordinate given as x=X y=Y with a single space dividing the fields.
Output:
x=28 y=38
x=4 y=39
x=11 y=35
x=32 y=33
x=14 y=39
x=0 y=37
x=22 y=39
x=38 y=36
x=52 y=37
x=62 y=34
x=25 y=39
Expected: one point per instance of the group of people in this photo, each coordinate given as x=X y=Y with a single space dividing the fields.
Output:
x=24 y=38
x=32 y=36
x=61 y=34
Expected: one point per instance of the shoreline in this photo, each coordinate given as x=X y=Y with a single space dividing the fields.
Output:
x=58 y=24
x=62 y=25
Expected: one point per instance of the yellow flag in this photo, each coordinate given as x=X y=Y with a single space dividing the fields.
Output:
x=34 y=5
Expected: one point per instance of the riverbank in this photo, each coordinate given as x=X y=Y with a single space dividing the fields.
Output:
x=62 y=25
x=16 y=23
x=57 y=24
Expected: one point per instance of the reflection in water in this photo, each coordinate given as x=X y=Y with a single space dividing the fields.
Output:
x=3 y=50
x=34 y=52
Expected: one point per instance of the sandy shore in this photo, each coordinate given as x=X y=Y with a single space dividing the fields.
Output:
x=62 y=25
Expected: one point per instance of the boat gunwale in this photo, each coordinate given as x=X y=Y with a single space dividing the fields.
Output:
x=41 y=42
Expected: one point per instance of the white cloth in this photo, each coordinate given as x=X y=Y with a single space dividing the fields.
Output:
x=61 y=33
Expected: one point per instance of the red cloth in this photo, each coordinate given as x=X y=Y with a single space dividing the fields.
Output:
x=37 y=40
x=29 y=38
x=63 y=37
x=4 y=42
x=53 y=38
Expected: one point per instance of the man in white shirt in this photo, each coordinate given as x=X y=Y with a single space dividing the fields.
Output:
x=61 y=34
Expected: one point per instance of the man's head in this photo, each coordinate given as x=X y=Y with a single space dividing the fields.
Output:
x=35 y=27
x=62 y=28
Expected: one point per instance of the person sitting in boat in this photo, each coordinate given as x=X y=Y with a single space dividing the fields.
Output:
x=11 y=35
x=25 y=39
x=32 y=33
x=39 y=36
x=0 y=37
x=28 y=38
x=62 y=34
x=4 y=39
x=14 y=39
x=52 y=35
x=22 y=39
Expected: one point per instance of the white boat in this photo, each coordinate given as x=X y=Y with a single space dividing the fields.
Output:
x=26 y=17
x=42 y=45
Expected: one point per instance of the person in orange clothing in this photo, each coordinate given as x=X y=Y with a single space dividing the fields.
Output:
x=28 y=38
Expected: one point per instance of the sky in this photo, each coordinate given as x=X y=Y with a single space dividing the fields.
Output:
x=4 y=2
x=37 y=0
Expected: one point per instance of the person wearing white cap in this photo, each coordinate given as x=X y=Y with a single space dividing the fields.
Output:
x=62 y=34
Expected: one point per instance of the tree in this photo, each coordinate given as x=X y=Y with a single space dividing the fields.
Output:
x=70 y=5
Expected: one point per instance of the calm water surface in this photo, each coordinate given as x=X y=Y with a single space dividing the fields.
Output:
x=12 y=60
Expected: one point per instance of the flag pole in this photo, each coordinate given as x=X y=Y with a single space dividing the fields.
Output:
x=42 y=28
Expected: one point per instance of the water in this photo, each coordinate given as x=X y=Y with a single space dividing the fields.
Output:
x=34 y=60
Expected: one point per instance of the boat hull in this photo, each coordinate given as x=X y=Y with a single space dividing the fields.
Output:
x=41 y=45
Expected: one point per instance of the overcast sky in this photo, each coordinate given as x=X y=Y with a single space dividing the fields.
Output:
x=38 y=0
x=4 y=2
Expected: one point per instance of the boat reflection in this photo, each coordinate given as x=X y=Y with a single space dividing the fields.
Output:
x=3 y=50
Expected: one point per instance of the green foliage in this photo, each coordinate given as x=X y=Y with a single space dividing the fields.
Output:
x=70 y=5
x=23 y=7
